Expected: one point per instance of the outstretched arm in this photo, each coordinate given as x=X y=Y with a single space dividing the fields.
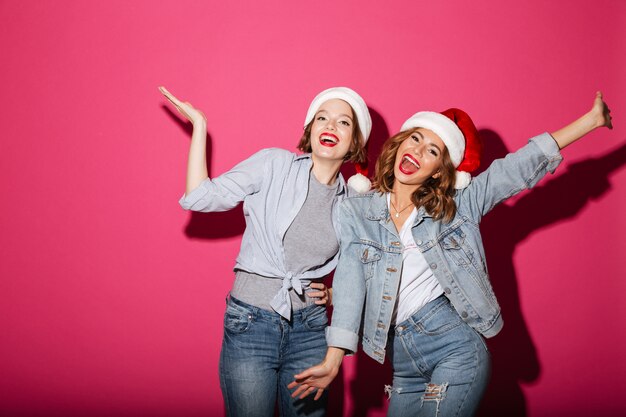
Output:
x=318 y=377
x=524 y=168
x=196 y=162
x=598 y=116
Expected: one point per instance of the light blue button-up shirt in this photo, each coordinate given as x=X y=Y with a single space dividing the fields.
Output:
x=273 y=185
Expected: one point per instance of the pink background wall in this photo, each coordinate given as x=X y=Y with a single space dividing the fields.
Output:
x=111 y=296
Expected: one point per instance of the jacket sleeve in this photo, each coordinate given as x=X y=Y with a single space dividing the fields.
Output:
x=348 y=286
x=229 y=189
x=510 y=175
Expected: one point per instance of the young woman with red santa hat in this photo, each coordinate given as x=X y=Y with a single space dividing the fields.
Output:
x=412 y=264
x=275 y=315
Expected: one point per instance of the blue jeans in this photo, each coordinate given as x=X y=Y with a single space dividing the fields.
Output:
x=261 y=353
x=441 y=365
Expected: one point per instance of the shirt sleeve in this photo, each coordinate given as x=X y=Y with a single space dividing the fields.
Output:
x=229 y=189
x=348 y=286
x=510 y=175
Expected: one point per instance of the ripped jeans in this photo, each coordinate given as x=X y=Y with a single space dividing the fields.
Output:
x=441 y=366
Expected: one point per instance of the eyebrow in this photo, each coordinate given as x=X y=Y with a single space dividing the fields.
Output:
x=431 y=143
x=340 y=114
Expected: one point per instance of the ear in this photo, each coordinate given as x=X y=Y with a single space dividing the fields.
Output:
x=437 y=174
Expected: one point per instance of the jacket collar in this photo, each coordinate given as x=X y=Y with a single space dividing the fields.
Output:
x=378 y=209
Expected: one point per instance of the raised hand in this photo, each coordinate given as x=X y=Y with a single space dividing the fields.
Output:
x=184 y=107
x=598 y=116
x=196 y=162
x=601 y=112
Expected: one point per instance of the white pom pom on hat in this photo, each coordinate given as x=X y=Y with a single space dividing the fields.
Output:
x=358 y=182
x=457 y=131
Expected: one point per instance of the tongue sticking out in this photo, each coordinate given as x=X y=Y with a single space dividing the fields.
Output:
x=407 y=166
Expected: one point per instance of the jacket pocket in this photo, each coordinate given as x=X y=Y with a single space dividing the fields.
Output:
x=454 y=244
x=369 y=256
x=462 y=250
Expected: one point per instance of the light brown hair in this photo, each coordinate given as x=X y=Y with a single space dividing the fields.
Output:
x=357 y=152
x=435 y=194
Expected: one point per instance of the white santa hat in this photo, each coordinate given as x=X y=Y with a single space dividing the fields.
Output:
x=359 y=182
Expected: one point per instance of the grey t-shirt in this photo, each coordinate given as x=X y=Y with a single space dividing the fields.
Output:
x=310 y=242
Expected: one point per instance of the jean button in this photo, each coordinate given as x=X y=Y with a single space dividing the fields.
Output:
x=433 y=266
x=464 y=314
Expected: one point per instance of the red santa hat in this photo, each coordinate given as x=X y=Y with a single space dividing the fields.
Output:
x=458 y=133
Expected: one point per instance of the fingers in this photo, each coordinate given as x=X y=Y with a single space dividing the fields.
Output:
x=602 y=111
x=309 y=391
x=323 y=295
x=176 y=102
x=303 y=375
x=319 y=393
x=301 y=390
x=304 y=391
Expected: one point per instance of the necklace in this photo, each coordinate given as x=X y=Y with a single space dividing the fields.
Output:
x=399 y=211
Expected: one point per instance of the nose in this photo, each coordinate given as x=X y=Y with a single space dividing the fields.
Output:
x=330 y=124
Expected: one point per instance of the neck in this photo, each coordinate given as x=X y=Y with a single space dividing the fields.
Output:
x=401 y=193
x=326 y=170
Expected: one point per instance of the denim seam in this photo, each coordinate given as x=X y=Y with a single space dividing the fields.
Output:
x=475 y=369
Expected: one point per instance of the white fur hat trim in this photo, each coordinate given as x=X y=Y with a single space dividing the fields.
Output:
x=352 y=98
x=443 y=127
x=359 y=183
x=462 y=179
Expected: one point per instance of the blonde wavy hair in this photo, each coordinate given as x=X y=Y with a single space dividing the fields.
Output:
x=436 y=195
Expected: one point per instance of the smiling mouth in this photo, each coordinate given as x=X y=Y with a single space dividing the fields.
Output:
x=328 y=139
x=408 y=165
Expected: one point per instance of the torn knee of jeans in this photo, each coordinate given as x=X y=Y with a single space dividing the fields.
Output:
x=435 y=392
x=390 y=390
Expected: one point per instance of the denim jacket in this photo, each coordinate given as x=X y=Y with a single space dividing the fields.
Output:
x=273 y=185
x=370 y=260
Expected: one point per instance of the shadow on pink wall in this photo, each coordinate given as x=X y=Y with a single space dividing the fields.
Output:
x=513 y=352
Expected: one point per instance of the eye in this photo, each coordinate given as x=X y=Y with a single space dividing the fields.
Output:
x=321 y=118
x=345 y=123
x=433 y=152
x=415 y=138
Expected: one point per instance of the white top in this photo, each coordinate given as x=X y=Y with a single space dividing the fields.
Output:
x=418 y=285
